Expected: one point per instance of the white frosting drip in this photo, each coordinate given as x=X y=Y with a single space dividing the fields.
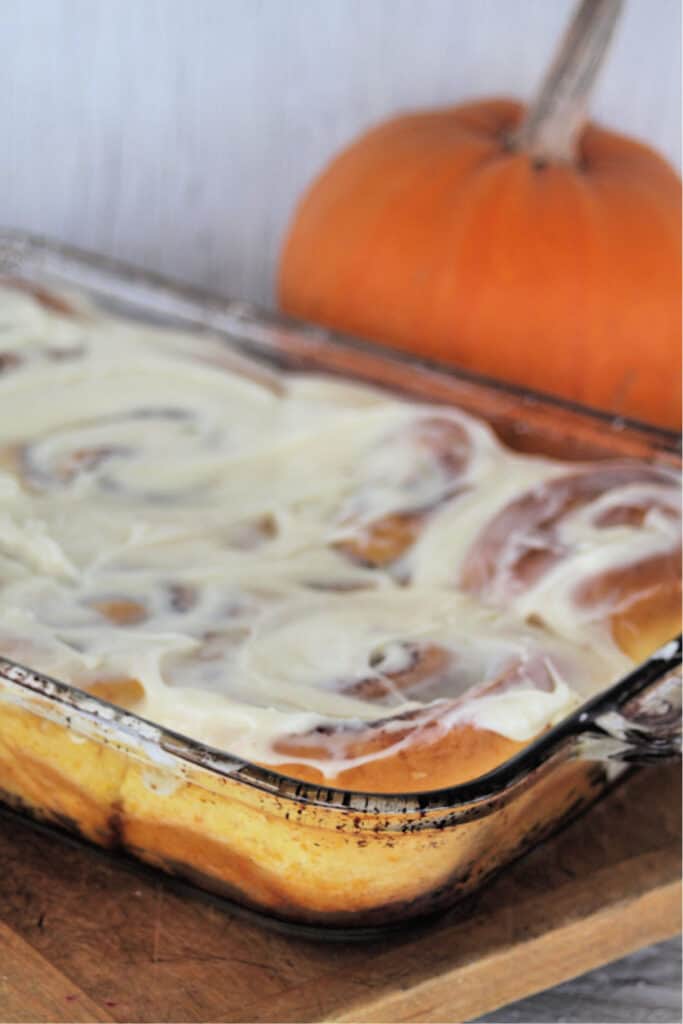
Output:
x=204 y=503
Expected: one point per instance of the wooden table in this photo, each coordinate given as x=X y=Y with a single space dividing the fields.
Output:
x=87 y=937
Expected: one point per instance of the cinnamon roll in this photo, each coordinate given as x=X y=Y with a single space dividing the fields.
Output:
x=597 y=545
x=441 y=455
x=307 y=573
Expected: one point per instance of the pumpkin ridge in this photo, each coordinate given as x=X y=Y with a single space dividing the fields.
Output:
x=348 y=271
x=517 y=197
x=384 y=239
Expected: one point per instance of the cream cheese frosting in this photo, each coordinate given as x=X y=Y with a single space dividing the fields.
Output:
x=178 y=516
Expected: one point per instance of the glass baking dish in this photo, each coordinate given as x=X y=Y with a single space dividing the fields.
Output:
x=297 y=852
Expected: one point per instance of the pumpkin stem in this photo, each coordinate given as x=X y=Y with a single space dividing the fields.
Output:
x=553 y=123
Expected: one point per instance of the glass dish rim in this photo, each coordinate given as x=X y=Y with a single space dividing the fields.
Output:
x=582 y=721
x=19 y=247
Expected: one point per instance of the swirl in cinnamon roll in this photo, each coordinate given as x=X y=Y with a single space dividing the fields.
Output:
x=598 y=544
x=441 y=456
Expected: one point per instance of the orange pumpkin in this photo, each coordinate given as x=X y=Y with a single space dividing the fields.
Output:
x=533 y=249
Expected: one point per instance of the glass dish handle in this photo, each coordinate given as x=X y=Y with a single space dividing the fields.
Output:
x=645 y=726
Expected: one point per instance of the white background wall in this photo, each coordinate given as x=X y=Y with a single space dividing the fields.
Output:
x=178 y=133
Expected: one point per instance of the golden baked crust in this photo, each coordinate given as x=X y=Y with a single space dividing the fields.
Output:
x=295 y=860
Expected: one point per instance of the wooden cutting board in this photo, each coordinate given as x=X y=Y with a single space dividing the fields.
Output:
x=86 y=937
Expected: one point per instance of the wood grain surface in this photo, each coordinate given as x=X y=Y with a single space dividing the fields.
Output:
x=31 y=989
x=93 y=936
